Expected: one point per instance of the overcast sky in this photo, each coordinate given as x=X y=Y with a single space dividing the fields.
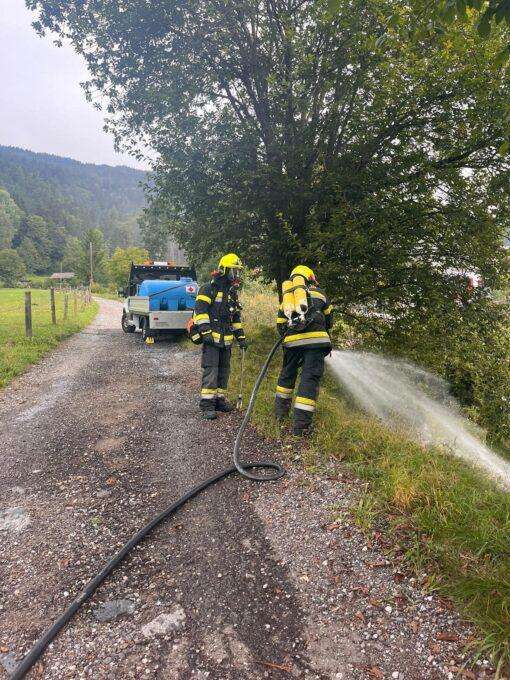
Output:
x=42 y=106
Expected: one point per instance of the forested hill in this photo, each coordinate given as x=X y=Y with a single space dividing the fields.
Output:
x=71 y=194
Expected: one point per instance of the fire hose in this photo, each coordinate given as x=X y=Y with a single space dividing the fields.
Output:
x=34 y=654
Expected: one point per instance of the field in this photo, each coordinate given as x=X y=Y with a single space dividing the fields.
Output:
x=16 y=350
x=449 y=521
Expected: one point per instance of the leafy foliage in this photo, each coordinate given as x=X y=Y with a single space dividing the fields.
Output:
x=52 y=202
x=466 y=342
x=12 y=267
x=10 y=216
x=119 y=264
x=335 y=133
x=487 y=14
x=426 y=20
x=75 y=196
x=80 y=253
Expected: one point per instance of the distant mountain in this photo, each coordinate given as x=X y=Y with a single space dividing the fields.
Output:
x=72 y=195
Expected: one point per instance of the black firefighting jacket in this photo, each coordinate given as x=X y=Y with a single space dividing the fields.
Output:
x=217 y=311
x=319 y=320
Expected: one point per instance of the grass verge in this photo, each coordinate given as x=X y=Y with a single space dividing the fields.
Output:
x=452 y=522
x=16 y=350
x=108 y=293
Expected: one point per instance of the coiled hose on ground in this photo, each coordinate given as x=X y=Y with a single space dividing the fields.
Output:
x=242 y=468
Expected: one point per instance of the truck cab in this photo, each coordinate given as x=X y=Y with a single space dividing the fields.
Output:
x=160 y=298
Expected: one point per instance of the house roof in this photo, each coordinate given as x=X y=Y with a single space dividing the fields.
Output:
x=62 y=275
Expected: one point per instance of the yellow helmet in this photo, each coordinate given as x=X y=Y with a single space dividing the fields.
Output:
x=231 y=266
x=230 y=261
x=303 y=270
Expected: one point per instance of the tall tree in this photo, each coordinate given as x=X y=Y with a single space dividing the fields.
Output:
x=93 y=258
x=73 y=258
x=12 y=267
x=119 y=264
x=10 y=216
x=155 y=228
x=124 y=232
x=290 y=134
x=33 y=242
x=35 y=262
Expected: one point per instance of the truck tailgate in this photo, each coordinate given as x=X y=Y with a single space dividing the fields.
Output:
x=169 y=320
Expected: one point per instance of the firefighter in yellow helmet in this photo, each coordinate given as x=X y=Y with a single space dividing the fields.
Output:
x=217 y=317
x=304 y=319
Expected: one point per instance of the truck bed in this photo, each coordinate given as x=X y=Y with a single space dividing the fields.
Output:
x=138 y=304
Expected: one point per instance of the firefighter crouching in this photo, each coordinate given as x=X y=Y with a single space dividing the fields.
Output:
x=304 y=319
x=217 y=317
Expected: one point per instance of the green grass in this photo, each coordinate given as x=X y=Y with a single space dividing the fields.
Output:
x=109 y=292
x=36 y=280
x=451 y=521
x=16 y=350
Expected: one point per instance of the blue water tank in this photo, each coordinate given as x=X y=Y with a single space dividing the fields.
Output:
x=169 y=296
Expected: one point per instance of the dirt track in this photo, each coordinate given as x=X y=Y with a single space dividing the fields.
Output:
x=247 y=582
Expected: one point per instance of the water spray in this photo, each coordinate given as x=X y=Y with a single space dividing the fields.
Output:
x=406 y=396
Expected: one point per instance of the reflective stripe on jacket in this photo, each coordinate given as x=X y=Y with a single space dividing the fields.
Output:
x=319 y=317
x=217 y=311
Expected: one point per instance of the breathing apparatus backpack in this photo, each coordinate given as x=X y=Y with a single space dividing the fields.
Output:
x=296 y=302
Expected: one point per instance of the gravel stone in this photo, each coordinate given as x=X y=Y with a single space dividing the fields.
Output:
x=108 y=611
x=14 y=519
x=165 y=623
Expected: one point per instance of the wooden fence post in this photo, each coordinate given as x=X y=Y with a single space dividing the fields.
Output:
x=28 y=314
x=75 y=304
x=53 y=310
x=66 y=305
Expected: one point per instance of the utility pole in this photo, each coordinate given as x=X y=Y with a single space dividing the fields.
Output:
x=91 y=269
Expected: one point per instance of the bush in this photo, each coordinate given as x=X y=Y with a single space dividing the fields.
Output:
x=470 y=347
x=12 y=267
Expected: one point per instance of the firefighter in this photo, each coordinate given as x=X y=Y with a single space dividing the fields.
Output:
x=306 y=343
x=217 y=317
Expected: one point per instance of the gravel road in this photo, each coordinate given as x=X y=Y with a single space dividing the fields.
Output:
x=248 y=581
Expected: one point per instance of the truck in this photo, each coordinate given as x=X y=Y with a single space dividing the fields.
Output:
x=159 y=299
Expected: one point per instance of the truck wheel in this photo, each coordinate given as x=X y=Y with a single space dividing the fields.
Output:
x=126 y=327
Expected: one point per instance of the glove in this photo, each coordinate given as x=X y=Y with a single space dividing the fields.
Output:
x=207 y=339
x=243 y=344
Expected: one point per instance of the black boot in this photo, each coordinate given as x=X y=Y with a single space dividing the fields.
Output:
x=281 y=408
x=209 y=415
x=223 y=406
x=300 y=431
x=301 y=428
